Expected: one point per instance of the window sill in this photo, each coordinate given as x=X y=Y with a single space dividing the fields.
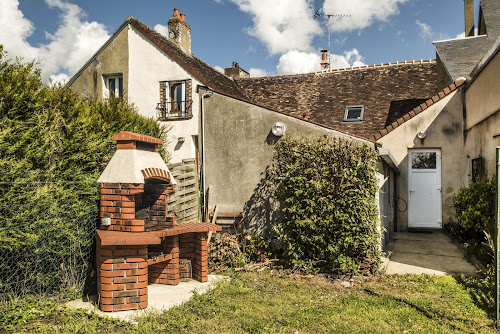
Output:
x=353 y=120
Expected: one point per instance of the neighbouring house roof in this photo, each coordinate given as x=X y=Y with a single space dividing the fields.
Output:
x=489 y=15
x=199 y=69
x=387 y=91
x=459 y=56
x=417 y=110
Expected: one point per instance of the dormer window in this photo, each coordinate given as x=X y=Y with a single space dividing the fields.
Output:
x=113 y=86
x=354 y=113
x=175 y=100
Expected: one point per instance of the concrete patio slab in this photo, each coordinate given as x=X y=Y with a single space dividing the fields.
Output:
x=430 y=253
x=160 y=298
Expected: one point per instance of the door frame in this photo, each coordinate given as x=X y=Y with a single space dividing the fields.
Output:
x=439 y=223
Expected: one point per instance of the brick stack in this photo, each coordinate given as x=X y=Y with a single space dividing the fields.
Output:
x=141 y=244
x=193 y=247
x=118 y=203
x=151 y=205
x=123 y=277
x=166 y=271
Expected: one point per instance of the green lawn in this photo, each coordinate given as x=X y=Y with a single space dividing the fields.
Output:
x=279 y=303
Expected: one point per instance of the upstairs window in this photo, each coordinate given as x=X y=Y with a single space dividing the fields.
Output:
x=354 y=113
x=478 y=169
x=175 y=101
x=113 y=86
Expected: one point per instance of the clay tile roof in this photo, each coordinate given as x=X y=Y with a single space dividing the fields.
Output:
x=417 y=110
x=388 y=91
x=209 y=76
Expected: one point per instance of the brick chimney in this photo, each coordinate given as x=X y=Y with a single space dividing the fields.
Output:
x=469 y=17
x=236 y=72
x=179 y=31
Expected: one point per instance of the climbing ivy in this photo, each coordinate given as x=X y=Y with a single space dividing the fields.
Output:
x=327 y=190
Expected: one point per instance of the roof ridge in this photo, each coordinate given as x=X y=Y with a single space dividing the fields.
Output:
x=397 y=63
x=417 y=110
x=363 y=67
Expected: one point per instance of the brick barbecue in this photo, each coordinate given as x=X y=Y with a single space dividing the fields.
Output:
x=137 y=242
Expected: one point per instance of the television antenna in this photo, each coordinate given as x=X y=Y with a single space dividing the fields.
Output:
x=328 y=17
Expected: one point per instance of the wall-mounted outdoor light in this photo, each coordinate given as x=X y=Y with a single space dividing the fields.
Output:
x=181 y=139
x=105 y=221
x=278 y=129
x=422 y=134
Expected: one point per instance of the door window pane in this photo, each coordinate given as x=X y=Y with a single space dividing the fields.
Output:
x=423 y=160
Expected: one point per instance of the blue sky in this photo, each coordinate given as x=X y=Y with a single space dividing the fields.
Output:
x=265 y=37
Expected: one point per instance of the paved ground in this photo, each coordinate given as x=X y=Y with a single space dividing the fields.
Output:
x=161 y=297
x=426 y=253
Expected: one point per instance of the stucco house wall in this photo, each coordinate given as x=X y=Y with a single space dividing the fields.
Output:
x=148 y=66
x=113 y=59
x=238 y=147
x=443 y=123
x=482 y=134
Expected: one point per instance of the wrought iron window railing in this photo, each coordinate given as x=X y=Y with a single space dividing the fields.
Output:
x=177 y=110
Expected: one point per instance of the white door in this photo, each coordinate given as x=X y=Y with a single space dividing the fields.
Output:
x=424 y=186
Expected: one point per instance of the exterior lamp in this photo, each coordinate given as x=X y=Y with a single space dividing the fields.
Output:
x=422 y=134
x=278 y=129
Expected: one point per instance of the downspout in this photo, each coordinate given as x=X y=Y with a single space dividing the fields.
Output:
x=202 y=116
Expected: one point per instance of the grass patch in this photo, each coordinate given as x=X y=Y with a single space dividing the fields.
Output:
x=279 y=303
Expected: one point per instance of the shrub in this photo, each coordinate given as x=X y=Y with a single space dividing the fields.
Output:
x=475 y=206
x=53 y=147
x=475 y=211
x=327 y=191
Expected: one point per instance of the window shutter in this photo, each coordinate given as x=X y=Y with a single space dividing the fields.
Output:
x=162 y=94
x=183 y=104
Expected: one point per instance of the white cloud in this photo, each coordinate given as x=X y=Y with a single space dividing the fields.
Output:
x=282 y=25
x=363 y=12
x=462 y=34
x=161 y=29
x=296 y=62
x=257 y=72
x=350 y=58
x=58 y=79
x=73 y=43
x=425 y=30
x=219 y=68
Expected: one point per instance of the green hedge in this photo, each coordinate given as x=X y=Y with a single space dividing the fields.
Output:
x=327 y=190
x=53 y=147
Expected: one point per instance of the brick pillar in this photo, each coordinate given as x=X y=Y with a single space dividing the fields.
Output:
x=200 y=259
x=123 y=277
x=118 y=203
x=167 y=272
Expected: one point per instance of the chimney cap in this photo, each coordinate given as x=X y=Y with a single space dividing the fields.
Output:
x=183 y=17
x=176 y=13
